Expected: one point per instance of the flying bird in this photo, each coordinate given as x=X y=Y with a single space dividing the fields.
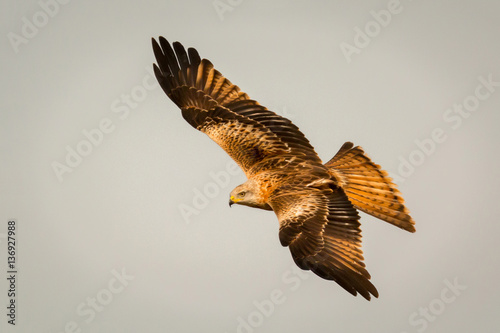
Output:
x=316 y=204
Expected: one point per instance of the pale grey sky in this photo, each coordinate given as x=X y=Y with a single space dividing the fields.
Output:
x=121 y=207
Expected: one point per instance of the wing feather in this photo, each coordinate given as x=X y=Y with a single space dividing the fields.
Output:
x=202 y=92
x=322 y=230
x=245 y=141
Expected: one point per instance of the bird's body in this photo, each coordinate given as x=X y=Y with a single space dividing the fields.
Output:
x=316 y=204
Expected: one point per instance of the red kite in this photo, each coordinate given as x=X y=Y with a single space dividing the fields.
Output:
x=316 y=204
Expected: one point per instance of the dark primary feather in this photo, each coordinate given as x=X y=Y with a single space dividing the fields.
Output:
x=322 y=230
x=191 y=82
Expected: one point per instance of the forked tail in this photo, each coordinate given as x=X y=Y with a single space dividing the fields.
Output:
x=368 y=187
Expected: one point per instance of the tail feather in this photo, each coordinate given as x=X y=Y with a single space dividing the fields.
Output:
x=368 y=187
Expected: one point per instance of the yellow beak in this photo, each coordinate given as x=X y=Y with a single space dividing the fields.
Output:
x=233 y=200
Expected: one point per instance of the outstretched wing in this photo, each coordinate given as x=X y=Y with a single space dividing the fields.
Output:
x=246 y=130
x=321 y=228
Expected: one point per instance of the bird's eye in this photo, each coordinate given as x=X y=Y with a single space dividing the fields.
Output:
x=241 y=194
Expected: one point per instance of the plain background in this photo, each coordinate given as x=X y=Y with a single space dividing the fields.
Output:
x=120 y=208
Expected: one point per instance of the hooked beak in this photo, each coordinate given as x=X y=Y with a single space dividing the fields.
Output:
x=233 y=200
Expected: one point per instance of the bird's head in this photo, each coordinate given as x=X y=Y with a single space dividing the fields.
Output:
x=247 y=194
x=243 y=194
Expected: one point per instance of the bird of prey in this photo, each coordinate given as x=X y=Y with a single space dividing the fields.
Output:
x=316 y=204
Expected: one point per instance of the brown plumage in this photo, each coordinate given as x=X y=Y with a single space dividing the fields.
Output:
x=315 y=203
